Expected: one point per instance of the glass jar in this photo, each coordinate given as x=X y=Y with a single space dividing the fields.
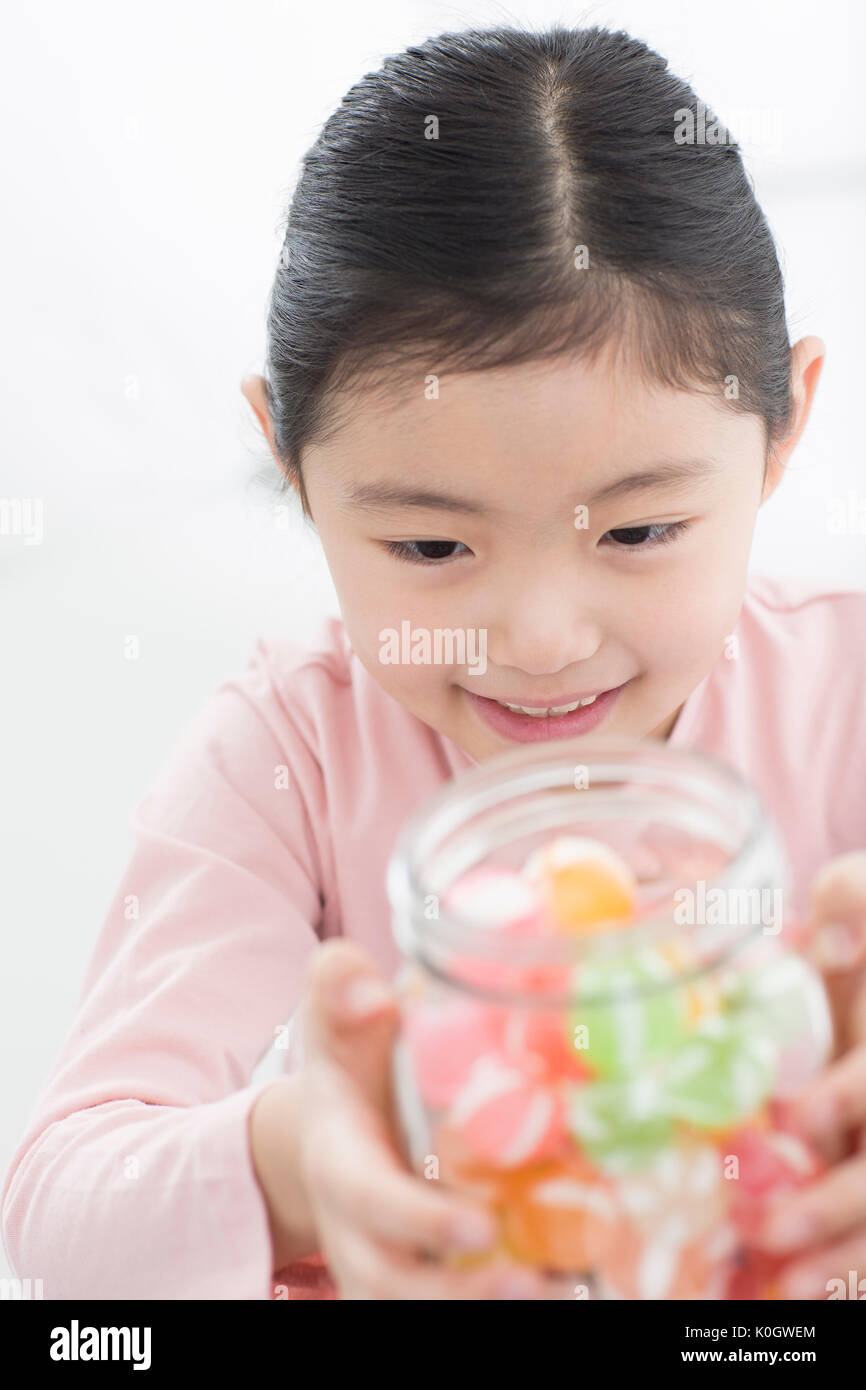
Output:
x=609 y=1090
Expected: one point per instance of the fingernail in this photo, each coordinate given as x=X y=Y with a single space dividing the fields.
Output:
x=364 y=995
x=472 y=1231
x=787 y=1231
x=838 y=945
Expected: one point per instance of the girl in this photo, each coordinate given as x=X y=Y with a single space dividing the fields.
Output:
x=529 y=374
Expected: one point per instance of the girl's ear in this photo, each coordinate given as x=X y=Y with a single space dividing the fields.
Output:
x=253 y=388
x=807 y=359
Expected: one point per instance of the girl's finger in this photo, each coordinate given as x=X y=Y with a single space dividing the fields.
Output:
x=835 y=941
x=411 y=1214
x=833 y=1105
x=828 y=1272
x=838 y=892
x=828 y=1208
x=363 y=1180
x=367 y=1270
x=349 y=1018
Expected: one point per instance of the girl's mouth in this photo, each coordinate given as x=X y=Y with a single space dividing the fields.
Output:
x=536 y=728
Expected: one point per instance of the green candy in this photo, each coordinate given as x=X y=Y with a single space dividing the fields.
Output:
x=619 y=1124
x=639 y=1018
x=720 y=1076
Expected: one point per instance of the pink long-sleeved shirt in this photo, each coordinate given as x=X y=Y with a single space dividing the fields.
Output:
x=134 y=1178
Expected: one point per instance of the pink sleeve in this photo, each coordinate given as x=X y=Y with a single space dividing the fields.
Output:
x=134 y=1176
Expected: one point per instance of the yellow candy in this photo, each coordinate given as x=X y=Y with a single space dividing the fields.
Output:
x=585 y=884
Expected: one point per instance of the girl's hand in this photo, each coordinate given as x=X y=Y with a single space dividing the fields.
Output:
x=824 y=1226
x=381 y=1229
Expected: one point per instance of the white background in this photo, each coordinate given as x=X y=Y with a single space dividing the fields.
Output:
x=150 y=151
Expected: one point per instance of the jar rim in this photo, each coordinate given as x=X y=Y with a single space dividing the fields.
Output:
x=529 y=768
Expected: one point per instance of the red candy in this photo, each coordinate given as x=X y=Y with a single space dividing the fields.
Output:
x=538 y=1041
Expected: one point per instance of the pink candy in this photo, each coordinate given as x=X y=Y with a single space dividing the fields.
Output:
x=507 y=905
x=507 y=1119
x=445 y=1037
x=494 y=1068
x=772 y=1163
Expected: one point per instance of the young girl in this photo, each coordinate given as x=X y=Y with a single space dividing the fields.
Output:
x=528 y=371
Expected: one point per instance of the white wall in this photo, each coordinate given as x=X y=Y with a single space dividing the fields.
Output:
x=153 y=152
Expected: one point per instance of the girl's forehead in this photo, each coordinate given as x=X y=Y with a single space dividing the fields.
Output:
x=588 y=411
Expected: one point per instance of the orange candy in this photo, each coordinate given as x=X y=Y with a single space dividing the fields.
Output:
x=541 y=1210
x=584 y=883
x=544 y=1215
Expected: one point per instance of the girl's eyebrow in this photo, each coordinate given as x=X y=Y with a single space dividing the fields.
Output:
x=387 y=496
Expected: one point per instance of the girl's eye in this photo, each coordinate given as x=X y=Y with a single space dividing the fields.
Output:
x=645 y=537
x=404 y=551
x=625 y=538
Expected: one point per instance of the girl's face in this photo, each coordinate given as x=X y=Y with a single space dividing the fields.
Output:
x=557 y=571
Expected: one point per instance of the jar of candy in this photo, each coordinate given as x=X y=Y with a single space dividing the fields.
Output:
x=601 y=1008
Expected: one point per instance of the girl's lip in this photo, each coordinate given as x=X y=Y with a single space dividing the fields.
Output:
x=555 y=703
x=528 y=728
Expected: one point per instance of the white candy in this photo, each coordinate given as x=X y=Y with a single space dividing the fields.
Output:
x=492 y=897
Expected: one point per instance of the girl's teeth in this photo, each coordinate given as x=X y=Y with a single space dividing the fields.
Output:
x=536 y=713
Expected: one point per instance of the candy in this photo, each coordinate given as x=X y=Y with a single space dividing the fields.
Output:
x=658 y=1267
x=499 y=900
x=503 y=903
x=618 y=1124
x=445 y=1036
x=543 y=1214
x=769 y=1163
x=721 y=1075
x=702 y=996
x=505 y=1117
x=785 y=1000
x=585 y=884
x=670 y=1237
x=627 y=1014
x=591 y=1093
x=536 y=1040
x=458 y=1164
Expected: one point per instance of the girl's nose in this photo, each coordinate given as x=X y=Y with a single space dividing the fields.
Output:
x=545 y=626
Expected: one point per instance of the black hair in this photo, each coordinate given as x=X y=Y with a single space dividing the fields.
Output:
x=436 y=219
